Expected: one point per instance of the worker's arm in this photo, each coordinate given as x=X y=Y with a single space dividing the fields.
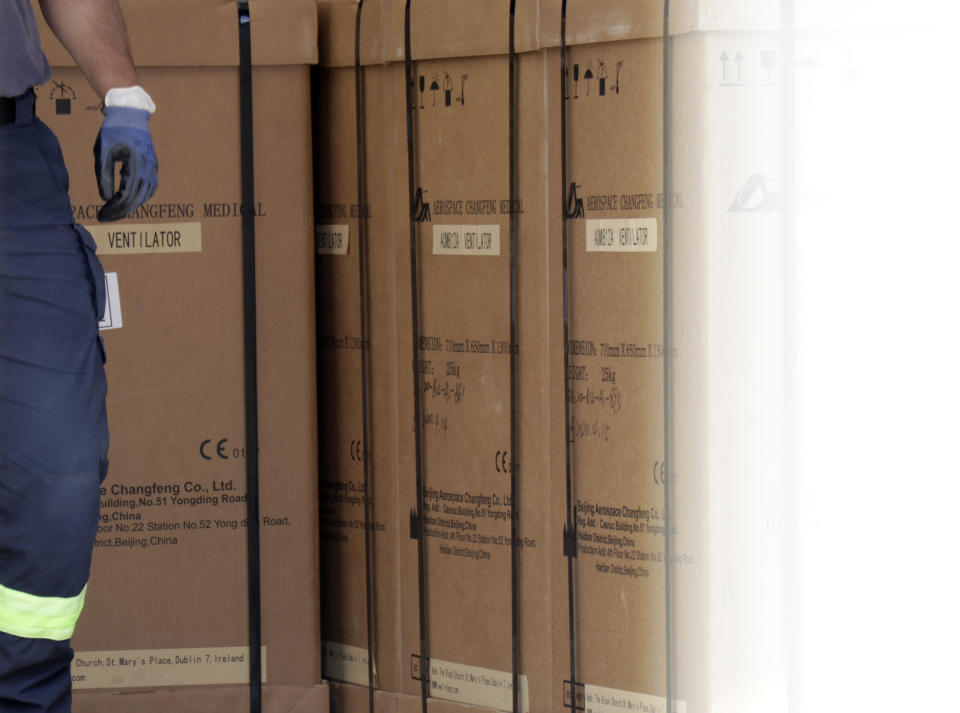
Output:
x=94 y=34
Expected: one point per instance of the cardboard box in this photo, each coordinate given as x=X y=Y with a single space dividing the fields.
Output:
x=614 y=198
x=461 y=161
x=167 y=604
x=462 y=357
x=642 y=636
x=342 y=448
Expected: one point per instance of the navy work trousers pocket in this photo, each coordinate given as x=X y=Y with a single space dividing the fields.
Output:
x=52 y=294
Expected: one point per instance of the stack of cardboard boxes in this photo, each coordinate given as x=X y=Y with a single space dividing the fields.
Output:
x=639 y=635
x=649 y=588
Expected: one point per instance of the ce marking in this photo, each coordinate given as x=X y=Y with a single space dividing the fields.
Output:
x=357 y=452
x=221 y=449
x=500 y=462
x=660 y=473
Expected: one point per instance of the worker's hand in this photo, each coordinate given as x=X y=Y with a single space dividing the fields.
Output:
x=125 y=138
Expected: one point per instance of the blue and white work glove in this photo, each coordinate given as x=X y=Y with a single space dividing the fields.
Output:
x=125 y=138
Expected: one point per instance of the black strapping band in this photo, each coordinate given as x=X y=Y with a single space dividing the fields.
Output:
x=316 y=107
x=668 y=432
x=250 y=356
x=417 y=212
x=570 y=531
x=514 y=352
x=364 y=347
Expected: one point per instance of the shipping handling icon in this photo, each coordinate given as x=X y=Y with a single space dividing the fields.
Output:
x=63 y=96
x=760 y=194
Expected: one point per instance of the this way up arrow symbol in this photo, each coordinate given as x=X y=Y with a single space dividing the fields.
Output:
x=723 y=61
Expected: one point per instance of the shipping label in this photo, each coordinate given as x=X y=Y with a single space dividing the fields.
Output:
x=349 y=664
x=214 y=666
x=476 y=240
x=622 y=235
x=147 y=238
x=610 y=700
x=476 y=686
x=332 y=239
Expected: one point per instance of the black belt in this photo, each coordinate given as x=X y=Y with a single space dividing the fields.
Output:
x=8 y=110
x=8 y=107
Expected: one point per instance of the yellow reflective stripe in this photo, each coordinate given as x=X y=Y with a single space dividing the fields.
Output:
x=34 y=617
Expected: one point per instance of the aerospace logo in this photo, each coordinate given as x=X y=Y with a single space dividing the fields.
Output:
x=757 y=195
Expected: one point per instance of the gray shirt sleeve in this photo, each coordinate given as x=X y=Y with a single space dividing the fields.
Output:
x=22 y=62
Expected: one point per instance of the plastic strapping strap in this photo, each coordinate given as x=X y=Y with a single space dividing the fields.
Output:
x=570 y=531
x=414 y=193
x=250 y=355
x=514 y=426
x=317 y=109
x=669 y=586
x=364 y=343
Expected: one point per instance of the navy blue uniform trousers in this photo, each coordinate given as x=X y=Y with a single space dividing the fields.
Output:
x=53 y=428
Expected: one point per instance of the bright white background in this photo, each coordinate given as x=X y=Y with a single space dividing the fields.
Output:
x=878 y=354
